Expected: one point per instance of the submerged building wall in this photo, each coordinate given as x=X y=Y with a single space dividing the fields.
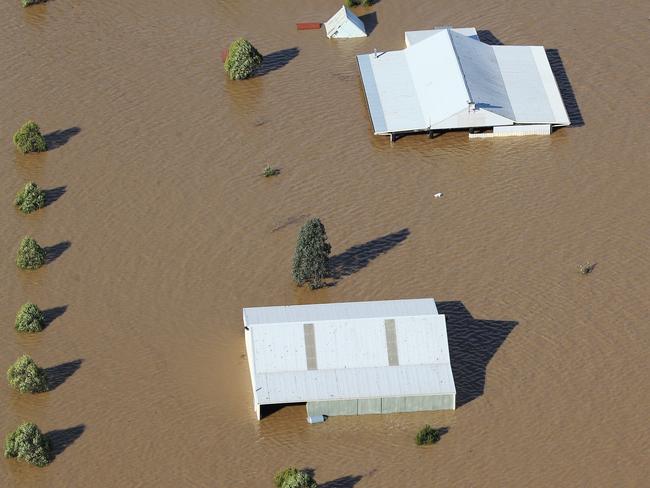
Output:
x=382 y=405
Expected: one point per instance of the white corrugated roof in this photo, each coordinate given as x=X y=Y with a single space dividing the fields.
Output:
x=352 y=350
x=441 y=71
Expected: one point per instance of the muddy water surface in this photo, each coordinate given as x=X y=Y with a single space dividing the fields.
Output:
x=163 y=229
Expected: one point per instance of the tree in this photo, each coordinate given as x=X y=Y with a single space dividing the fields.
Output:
x=27 y=443
x=242 y=60
x=30 y=254
x=30 y=198
x=427 y=435
x=312 y=253
x=29 y=318
x=356 y=3
x=29 y=138
x=294 y=478
x=26 y=377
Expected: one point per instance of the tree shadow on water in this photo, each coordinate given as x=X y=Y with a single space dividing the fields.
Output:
x=53 y=194
x=63 y=438
x=472 y=343
x=57 y=375
x=276 y=60
x=358 y=257
x=51 y=314
x=60 y=138
x=343 y=482
x=52 y=253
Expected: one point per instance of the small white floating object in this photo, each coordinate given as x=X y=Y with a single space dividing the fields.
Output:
x=438 y=195
x=316 y=419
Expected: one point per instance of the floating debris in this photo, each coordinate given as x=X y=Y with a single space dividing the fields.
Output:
x=270 y=171
x=586 y=268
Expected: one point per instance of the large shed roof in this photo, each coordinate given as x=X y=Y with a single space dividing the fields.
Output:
x=340 y=351
x=448 y=79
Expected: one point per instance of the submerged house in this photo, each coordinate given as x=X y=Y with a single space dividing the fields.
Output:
x=448 y=79
x=344 y=24
x=350 y=358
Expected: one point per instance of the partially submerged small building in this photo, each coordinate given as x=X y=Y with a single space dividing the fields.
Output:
x=448 y=79
x=344 y=24
x=350 y=358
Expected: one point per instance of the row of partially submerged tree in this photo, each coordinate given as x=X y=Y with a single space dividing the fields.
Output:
x=27 y=442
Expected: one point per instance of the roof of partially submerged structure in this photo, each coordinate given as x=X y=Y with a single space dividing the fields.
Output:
x=448 y=78
x=338 y=351
x=345 y=24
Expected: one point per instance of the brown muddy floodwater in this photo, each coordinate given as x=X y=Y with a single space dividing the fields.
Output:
x=164 y=229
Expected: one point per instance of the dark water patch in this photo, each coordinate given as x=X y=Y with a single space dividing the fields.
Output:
x=290 y=221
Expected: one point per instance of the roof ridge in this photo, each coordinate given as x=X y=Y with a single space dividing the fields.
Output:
x=470 y=99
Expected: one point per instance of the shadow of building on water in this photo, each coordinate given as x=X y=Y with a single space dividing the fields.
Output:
x=358 y=257
x=62 y=439
x=276 y=60
x=369 y=21
x=559 y=72
x=472 y=343
x=565 y=87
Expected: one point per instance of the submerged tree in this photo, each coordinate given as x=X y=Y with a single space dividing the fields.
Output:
x=356 y=3
x=29 y=318
x=30 y=198
x=312 y=254
x=27 y=443
x=29 y=138
x=30 y=254
x=293 y=478
x=427 y=435
x=26 y=377
x=242 y=60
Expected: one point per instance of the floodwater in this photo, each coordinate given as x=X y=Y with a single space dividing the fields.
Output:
x=163 y=229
